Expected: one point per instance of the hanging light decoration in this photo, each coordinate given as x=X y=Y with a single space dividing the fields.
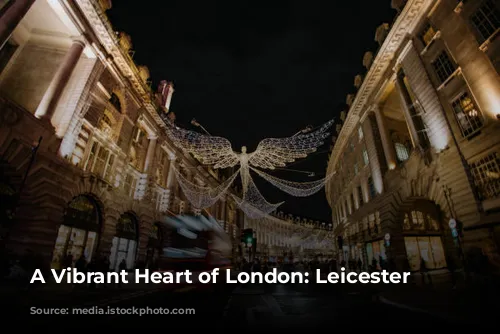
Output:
x=271 y=153
x=202 y=197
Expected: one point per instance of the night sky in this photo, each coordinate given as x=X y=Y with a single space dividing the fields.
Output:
x=249 y=70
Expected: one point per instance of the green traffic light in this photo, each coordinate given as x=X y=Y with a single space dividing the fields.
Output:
x=249 y=240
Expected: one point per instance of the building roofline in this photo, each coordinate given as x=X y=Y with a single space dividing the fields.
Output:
x=397 y=36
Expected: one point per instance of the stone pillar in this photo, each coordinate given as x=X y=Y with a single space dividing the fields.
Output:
x=11 y=18
x=150 y=154
x=406 y=103
x=387 y=144
x=47 y=106
x=373 y=156
x=432 y=120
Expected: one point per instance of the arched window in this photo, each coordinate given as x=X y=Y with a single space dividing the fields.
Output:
x=423 y=239
x=124 y=246
x=78 y=234
x=106 y=123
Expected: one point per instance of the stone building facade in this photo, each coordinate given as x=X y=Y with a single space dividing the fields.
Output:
x=86 y=166
x=417 y=156
x=279 y=235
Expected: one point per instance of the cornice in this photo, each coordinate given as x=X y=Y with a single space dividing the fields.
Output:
x=97 y=19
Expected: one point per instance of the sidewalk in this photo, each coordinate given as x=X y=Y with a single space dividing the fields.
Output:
x=467 y=304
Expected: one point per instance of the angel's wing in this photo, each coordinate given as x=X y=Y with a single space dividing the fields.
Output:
x=277 y=152
x=209 y=150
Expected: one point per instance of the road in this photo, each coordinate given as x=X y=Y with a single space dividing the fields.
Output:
x=265 y=306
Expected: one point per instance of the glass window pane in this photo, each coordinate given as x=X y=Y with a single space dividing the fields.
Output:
x=412 y=253
x=58 y=254
x=122 y=245
x=426 y=252
x=91 y=242
x=438 y=252
x=131 y=254
x=113 y=253
x=369 y=253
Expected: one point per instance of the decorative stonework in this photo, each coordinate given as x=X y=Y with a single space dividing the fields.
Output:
x=94 y=14
x=406 y=21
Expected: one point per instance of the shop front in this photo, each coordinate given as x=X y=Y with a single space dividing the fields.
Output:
x=78 y=234
x=376 y=254
x=124 y=245
x=155 y=246
x=423 y=241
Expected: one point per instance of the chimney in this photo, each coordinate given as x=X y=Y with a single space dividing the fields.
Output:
x=166 y=89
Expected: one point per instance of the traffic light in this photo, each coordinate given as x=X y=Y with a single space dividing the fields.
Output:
x=247 y=237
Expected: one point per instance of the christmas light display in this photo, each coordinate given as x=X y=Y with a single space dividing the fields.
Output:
x=271 y=153
x=297 y=189
x=202 y=197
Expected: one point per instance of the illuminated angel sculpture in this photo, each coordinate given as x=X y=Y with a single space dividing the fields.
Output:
x=270 y=154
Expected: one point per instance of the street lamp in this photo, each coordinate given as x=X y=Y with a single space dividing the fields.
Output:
x=194 y=122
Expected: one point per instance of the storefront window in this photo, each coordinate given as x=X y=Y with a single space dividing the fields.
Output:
x=78 y=234
x=429 y=249
x=124 y=244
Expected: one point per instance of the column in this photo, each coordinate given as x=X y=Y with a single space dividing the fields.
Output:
x=11 y=18
x=47 y=106
x=150 y=155
x=406 y=102
x=373 y=156
x=387 y=144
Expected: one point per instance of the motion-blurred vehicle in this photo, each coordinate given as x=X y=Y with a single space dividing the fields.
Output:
x=198 y=244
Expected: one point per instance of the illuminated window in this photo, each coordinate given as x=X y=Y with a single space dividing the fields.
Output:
x=78 y=234
x=486 y=174
x=401 y=152
x=486 y=20
x=467 y=114
x=360 y=133
x=443 y=67
x=124 y=244
x=365 y=157
x=428 y=249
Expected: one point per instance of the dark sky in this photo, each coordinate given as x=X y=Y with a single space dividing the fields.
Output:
x=249 y=70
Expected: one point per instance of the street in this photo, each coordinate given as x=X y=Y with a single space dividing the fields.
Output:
x=251 y=306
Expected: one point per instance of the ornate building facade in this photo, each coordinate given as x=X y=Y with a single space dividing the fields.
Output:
x=281 y=235
x=417 y=157
x=86 y=166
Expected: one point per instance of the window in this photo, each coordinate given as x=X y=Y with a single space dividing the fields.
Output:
x=365 y=157
x=115 y=102
x=486 y=20
x=360 y=134
x=468 y=116
x=486 y=174
x=351 y=146
x=443 y=67
x=124 y=244
x=100 y=161
x=428 y=249
x=427 y=34
x=419 y=221
x=371 y=188
x=356 y=169
x=401 y=152
x=78 y=234
x=360 y=197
